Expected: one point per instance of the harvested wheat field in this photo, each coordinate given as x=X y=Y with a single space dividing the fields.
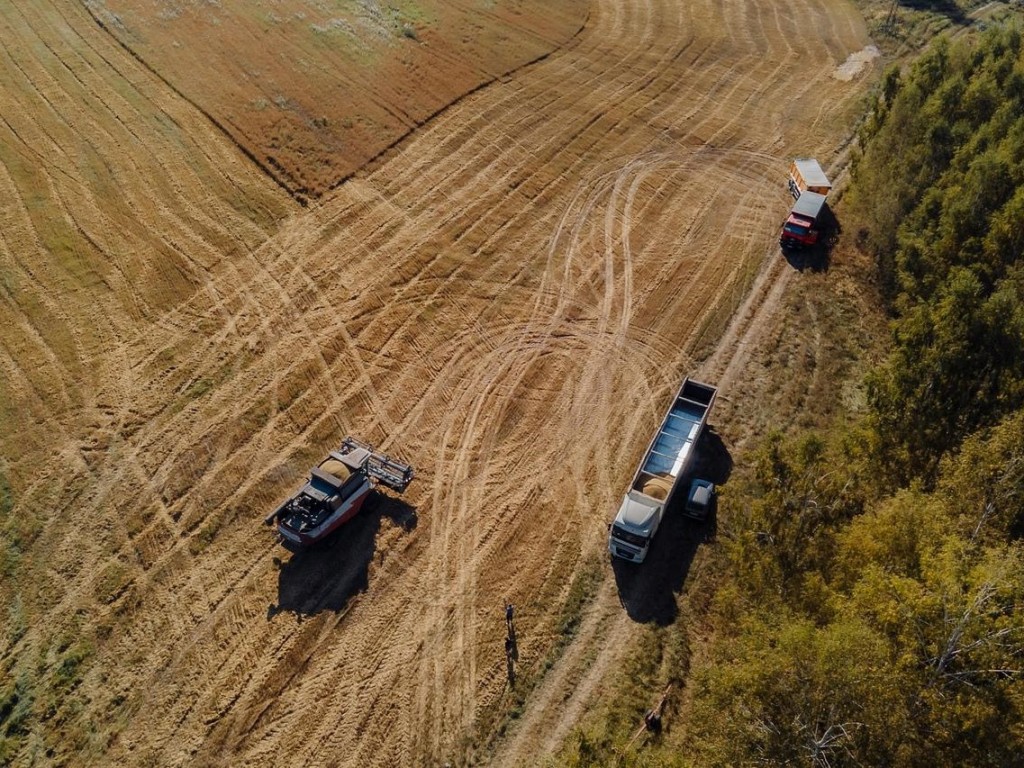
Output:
x=505 y=298
x=309 y=90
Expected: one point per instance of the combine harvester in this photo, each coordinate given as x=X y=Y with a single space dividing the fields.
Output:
x=664 y=464
x=810 y=187
x=335 y=493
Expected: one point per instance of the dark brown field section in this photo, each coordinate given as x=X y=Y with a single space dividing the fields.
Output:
x=313 y=90
x=505 y=301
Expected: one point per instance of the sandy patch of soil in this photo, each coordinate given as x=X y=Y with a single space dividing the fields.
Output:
x=855 y=63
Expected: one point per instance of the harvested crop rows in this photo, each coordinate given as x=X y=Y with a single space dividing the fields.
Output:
x=505 y=300
x=312 y=89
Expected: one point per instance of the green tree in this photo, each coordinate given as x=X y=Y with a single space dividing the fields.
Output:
x=802 y=493
x=799 y=694
x=957 y=365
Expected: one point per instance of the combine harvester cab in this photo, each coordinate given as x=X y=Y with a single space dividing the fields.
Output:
x=336 y=491
x=667 y=458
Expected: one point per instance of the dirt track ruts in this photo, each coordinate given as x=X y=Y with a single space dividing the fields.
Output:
x=505 y=301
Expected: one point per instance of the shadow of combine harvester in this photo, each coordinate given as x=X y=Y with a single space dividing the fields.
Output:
x=327 y=576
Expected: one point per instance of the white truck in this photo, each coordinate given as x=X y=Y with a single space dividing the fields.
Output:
x=805 y=175
x=809 y=186
x=664 y=464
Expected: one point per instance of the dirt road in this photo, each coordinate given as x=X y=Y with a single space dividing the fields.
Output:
x=505 y=300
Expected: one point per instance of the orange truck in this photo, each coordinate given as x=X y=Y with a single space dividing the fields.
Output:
x=810 y=187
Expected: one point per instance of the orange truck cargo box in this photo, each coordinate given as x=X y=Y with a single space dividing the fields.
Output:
x=805 y=175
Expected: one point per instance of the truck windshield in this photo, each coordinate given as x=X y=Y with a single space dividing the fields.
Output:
x=630 y=538
x=793 y=229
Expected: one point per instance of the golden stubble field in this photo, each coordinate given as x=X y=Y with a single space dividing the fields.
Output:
x=505 y=298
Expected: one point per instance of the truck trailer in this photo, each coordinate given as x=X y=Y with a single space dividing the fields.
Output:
x=660 y=472
x=809 y=186
x=805 y=175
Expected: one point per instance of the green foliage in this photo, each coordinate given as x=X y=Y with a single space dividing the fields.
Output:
x=903 y=645
x=954 y=636
x=6 y=497
x=890 y=537
x=16 y=621
x=958 y=364
x=772 y=697
x=111 y=582
x=198 y=388
x=985 y=483
x=939 y=193
x=872 y=608
x=16 y=702
x=941 y=151
x=69 y=671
